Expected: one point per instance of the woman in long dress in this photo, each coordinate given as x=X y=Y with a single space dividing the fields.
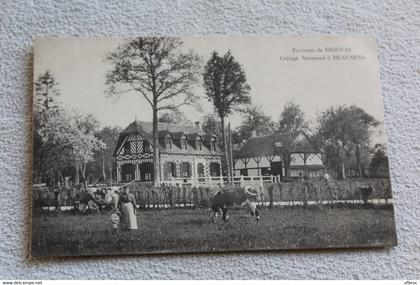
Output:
x=128 y=208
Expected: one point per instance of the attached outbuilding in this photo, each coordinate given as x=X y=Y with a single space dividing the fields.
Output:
x=262 y=156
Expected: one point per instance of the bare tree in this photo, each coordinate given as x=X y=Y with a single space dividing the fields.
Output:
x=157 y=69
x=226 y=87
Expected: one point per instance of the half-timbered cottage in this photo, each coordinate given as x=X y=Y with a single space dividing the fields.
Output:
x=186 y=153
x=261 y=156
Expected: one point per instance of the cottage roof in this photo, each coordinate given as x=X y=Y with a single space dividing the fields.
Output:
x=145 y=129
x=272 y=144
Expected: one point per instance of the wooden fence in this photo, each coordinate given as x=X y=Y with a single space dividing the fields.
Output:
x=278 y=193
x=214 y=181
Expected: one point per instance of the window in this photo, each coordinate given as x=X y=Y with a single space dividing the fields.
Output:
x=146 y=146
x=214 y=169
x=183 y=143
x=186 y=169
x=199 y=144
x=200 y=170
x=146 y=171
x=171 y=170
x=127 y=148
x=213 y=145
x=265 y=171
x=168 y=142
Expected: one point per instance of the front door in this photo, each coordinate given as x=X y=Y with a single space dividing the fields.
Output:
x=127 y=172
x=276 y=168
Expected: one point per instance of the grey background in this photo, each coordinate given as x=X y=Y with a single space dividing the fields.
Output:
x=396 y=26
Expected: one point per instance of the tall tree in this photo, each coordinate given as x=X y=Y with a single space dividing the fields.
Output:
x=47 y=92
x=345 y=130
x=46 y=105
x=157 y=69
x=291 y=123
x=226 y=88
x=253 y=119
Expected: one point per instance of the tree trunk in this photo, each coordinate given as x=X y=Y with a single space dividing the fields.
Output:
x=359 y=169
x=110 y=173
x=225 y=149
x=60 y=177
x=286 y=159
x=232 y=170
x=76 y=177
x=156 y=166
x=343 y=170
x=103 y=167
x=83 y=169
x=52 y=175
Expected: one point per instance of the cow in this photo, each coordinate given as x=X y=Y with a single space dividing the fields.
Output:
x=226 y=199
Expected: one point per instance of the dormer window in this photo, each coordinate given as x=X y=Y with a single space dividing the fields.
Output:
x=184 y=143
x=213 y=145
x=168 y=142
x=199 y=144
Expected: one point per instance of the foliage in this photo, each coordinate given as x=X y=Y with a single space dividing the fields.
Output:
x=71 y=139
x=253 y=119
x=46 y=96
x=226 y=88
x=344 y=131
x=291 y=123
x=379 y=165
x=212 y=125
x=160 y=71
x=103 y=166
x=225 y=84
x=172 y=118
x=292 y=119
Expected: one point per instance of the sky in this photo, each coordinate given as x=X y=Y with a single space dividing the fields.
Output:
x=315 y=84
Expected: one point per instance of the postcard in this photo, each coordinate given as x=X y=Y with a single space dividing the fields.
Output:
x=208 y=144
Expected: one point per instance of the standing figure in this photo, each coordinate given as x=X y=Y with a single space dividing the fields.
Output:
x=128 y=206
x=251 y=201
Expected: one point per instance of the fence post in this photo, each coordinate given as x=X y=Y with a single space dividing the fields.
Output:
x=242 y=181
x=221 y=180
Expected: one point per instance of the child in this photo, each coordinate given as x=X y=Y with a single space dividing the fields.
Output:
x=115 y=220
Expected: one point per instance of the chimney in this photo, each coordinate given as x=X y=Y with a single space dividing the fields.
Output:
x=197 y=124
x=253 y=133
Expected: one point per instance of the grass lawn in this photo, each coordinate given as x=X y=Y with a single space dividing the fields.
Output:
x=189 y=230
